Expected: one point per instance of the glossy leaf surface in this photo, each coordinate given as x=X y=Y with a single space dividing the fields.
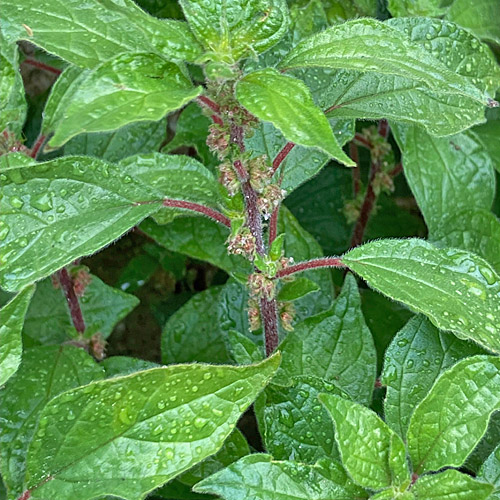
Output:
x=44 y=373
x=490 y=472
x=94 y=31
x=55 y=212
x=457 y=290
x=11 y=347
x=459 y=404
x=336 y=346
x=125 y=89
x=48 y=320
x=230 y=31
x=294 y=290
x=418 y=354
x=287 y=103
x=366 y=456
x=369 y=45
x=261 y=478
x=134 y=449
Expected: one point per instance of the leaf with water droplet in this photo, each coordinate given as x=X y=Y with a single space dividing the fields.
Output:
x=447 y=285
x=259 y=477
x=372 y=457
x=490 y=471
x=431 y=352
x=13 y=316
x=120 y=441
x=145 y=85
x=44 y=373
x=287 y=103
x=449 y=422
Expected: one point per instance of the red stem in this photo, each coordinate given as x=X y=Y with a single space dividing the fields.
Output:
x=383 y=128
x=269 y=312
x=41 y=65
x=396 y=170
x=273 y=224
x=72 y=300
x=217 y=119
x=25 y=495
x=209 y=103
x=362 y=141
x=311 y=264
x=196 y=207
x=38 y=146
x=282 y=155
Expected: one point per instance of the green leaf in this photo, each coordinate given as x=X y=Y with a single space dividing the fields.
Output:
x=134 y=436
x=489 y=133
x=490 y=472
x=457 y=290
x=13 y=105
x=365 y=443
x=475 y=230
x=125 y=89
x=450 y=485
x=296 y=289
x=295 y=426
x=11 y=346
x=480 y=18
x=44 y=373
x=123 y=365
x=336 y=346
x=400 y=8
x=87 y=34
x=55 y=212
x=418 y=354
x=231 y=31
x=48 y=320
x=261 y=478
x=287 y=103
x=372 y=46
x=447 y=174
x=135 y=138
x=449 y=422
x=234 y=448
x=242 y=350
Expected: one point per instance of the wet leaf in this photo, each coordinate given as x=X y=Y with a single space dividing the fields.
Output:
x=11 y=347
x=490 y=472
x=457 y=290
x=134 y=434
x=287 y=103
x=261 y=478
x=44 y=373
x=296 y=289
x=449 y=422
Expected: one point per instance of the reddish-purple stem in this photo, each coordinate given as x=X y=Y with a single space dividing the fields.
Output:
x=396 y=170
x=209 y=103
x=356 y=177
x=282 y=155
x=72 y=300
x=196 y=207
x=269 y=311
x=362 y=140
x=38 y=146
x=311 y=264
x=217 y=119
x=273 y=224
x=383 y=128
x=41 y=65
x=25 y=495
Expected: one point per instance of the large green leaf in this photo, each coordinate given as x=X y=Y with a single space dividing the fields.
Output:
x=232 y=30
x=11 y=347
x=490 y=472
x=48 y=320
x=44 y=373
x=89 y=33
x=125 y=89
x=295 y=425
x=372 y=46
x=457 y=290
x=449 y=422
x=476 y=230
x=88 y=447
x=261 y=478
x=416 y=7
x=365 y=443
x=13 y=105
x=481 y=18
x=446 y=174
x=416 y=357
x=55 y=212
x=135 y=138
x=489 y=133
x=336 y=346
x=451 y=485
x=287 y=103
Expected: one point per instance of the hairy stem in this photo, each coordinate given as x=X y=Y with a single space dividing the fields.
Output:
x=38 y=146
x=206 y=101
x=197 y=207
x=74 y=305
x=269 y=312
x=311 y=264
x=282 y=155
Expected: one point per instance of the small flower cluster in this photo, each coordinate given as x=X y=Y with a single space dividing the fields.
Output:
x=9 y=144
x=269 y=194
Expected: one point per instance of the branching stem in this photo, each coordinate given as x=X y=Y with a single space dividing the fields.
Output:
x=311 y=264
x=75 y=310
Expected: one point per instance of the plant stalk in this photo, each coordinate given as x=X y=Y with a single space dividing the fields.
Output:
x=74 y=305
